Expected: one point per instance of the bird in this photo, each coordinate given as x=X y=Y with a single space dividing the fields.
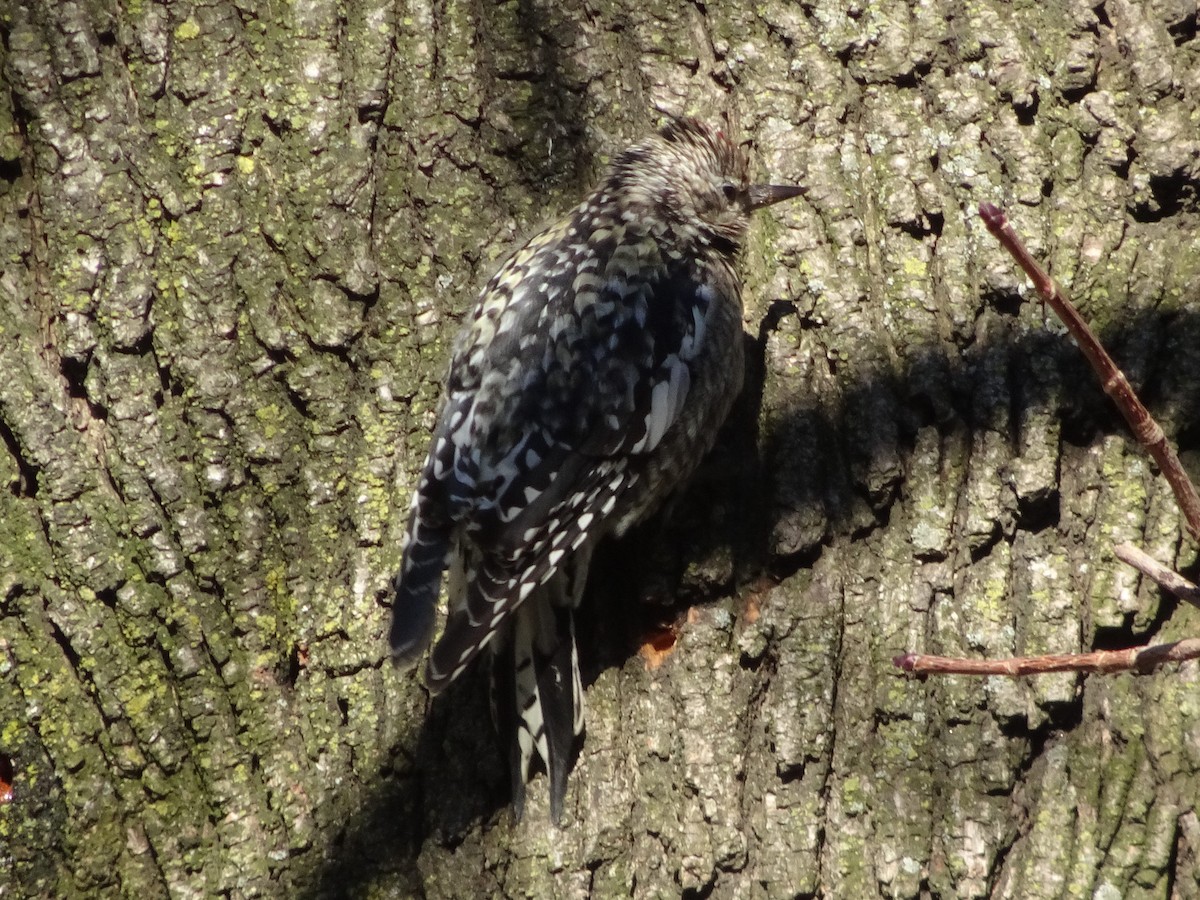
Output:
x=587 y=384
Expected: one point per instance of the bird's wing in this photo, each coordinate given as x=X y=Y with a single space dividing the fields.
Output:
x=560 y=383
x=579 y=353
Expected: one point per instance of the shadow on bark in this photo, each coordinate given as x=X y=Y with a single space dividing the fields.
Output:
x=548 y=137
x=766 y=505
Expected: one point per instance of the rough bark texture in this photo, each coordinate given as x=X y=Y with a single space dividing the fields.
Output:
x=237 y=239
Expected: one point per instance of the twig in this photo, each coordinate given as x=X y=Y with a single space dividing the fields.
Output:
x=1137 y=659
x=1167 y=579
x=1148 y=432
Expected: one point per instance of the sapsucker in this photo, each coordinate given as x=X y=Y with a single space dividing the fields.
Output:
x=592 y=377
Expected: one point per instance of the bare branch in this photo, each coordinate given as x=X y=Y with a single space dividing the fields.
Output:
x=1135 y=659
x=1148 y=432
x=1166 y=578
x=1151 y=436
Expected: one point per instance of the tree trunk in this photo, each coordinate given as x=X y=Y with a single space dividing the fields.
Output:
x=238 y=240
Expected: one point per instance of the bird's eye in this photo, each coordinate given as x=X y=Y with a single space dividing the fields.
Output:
x=730 y=191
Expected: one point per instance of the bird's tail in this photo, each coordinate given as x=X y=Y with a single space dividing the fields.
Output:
x=537 y=697
x=525 y=620
x=416 y=587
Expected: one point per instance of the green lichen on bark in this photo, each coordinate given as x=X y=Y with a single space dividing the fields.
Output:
x=238 y=242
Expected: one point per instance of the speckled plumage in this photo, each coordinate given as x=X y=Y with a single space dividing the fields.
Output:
x=593 y=376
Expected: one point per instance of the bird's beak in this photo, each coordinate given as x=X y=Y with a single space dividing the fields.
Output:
x=765 y=194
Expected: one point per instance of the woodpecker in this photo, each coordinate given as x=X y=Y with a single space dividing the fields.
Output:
x=590 y=380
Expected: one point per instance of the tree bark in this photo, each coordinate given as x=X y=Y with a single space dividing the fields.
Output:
x=238 y=240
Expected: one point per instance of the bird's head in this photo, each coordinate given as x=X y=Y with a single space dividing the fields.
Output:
x=694 y=178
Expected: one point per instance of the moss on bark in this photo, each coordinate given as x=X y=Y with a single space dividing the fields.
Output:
x=237 y=241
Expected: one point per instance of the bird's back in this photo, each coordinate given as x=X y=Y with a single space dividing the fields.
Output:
x=590 y=380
